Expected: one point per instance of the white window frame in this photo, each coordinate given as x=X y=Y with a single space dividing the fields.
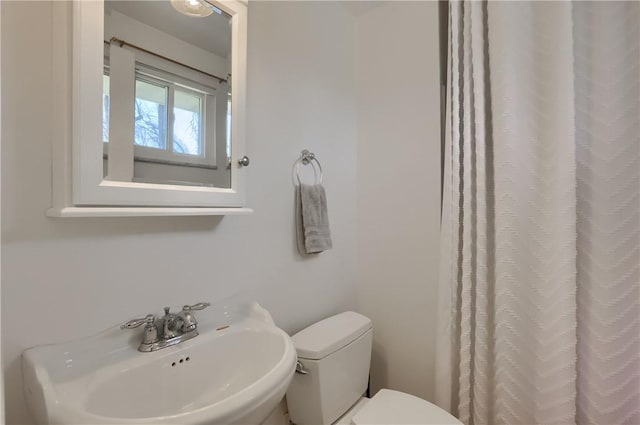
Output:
x=207 y=126
x=206 y=92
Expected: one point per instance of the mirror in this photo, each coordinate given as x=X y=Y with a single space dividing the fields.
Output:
x=166 y=98
x=145 y=121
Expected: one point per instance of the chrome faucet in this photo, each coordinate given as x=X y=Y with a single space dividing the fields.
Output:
x=168 y=330
x=171 y=324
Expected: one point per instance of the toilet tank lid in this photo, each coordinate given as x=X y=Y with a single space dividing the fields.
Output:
x=326 y=336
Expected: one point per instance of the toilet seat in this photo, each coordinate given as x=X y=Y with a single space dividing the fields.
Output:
x=394 y=407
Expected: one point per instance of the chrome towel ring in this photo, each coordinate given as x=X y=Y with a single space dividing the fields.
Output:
x=307 y=158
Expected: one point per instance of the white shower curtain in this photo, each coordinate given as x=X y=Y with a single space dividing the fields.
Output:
x=540 y=267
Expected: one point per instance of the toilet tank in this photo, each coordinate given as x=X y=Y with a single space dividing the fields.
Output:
x=335 y=354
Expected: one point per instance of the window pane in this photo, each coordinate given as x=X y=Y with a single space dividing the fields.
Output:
x=187 y=124
x=151 y=115
x=105 y=108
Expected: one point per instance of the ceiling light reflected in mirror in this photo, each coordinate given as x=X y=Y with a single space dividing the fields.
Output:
x=194 y=8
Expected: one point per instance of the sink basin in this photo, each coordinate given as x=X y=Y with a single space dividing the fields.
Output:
x=235 y=372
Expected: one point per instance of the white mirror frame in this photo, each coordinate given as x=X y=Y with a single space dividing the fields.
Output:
x=79 y=188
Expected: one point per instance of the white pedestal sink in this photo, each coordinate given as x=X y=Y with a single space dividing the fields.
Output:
x=235 y=372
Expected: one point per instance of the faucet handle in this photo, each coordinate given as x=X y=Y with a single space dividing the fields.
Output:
x=198 y=306
x=134 y=323
x=189 y=322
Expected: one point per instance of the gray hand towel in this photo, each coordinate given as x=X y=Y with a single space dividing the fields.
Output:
x=312 y=219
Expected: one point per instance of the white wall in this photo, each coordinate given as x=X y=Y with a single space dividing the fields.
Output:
x=399 y=189
x=65 y=278
x=1 y=381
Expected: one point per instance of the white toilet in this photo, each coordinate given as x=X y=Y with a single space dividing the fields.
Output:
x=332 y=375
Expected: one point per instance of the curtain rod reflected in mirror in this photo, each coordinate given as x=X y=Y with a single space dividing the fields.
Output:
x=142 y=49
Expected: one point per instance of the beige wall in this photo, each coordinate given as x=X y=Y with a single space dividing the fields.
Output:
x=399 y=190
x=66 y=278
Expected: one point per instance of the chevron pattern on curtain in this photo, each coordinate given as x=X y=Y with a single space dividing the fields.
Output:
x=540 y=242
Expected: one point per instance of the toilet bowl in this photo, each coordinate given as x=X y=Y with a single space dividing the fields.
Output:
x=394 y=407
x=332 y=375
